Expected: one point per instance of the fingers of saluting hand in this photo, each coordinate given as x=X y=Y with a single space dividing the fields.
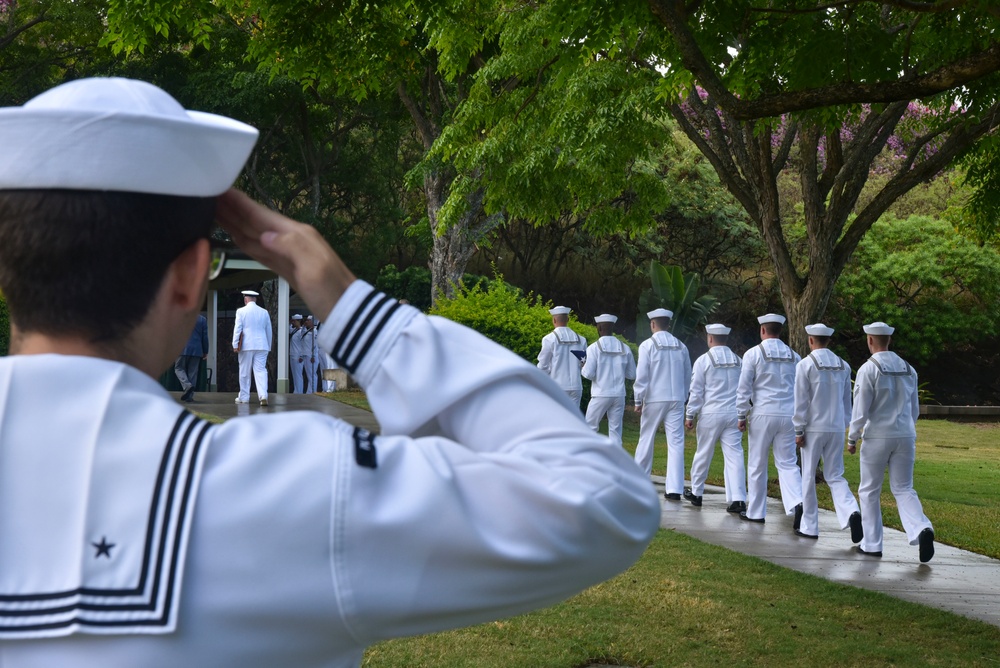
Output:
x=296 y=251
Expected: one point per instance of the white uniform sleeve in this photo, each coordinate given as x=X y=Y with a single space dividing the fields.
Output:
x=589 y=370
x=915 y=399
x=864 y=394
x=847 y=400
x=696 y=397
x=506 y=502
x=238 y=329
x=744 y=390
x=801 y=397
x=687 y=371
x=545 y=355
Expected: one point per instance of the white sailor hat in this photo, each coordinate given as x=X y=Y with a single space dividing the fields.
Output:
x=717 y=329
x=819 y=329
x=660 y=313
x=560 y=310
x=251 y=293
x=879 y=329
x=294 y=317
x=606 y=317
x=119 y=134
x=309 y=317
x=771 y=317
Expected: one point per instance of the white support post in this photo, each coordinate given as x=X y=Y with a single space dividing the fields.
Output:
x=282 y=337
x=213 y=339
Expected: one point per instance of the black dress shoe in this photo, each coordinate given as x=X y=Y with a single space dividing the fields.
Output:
x=672 y=496
x=189 y=395
x=689 y=495
x=805 y=535
x=926 y=542
x=857 y=532
x=743 y=516
x=737 y=507
x=798 y=517
x=857 y=548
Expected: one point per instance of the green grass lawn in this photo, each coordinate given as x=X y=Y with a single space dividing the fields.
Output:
x=687 y=603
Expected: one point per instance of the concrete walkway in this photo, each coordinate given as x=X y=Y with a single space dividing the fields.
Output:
x=962 y=582
x=955 y=580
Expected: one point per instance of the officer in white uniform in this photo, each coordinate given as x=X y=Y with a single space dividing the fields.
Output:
x=562 y=354
x=885 y=415
x=822 y=413
x=136 y=534
x=310 y=353
x=712 y=402
x=609 y=364
x=295 y=358
x=252 y=343
x=662 y=379
x=767 y=384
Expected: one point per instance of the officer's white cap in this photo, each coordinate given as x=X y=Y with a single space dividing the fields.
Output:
x=717 y=329
x=879 y=329
x=309 y=317
x=294 y=317
x=819 y=329
x=560 y=310
x=251 y=293
x=771 y=317
x=660 y=313
x=606 y=317
x=119 y=134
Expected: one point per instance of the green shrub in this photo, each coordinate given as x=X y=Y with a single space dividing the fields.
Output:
x=412 y=284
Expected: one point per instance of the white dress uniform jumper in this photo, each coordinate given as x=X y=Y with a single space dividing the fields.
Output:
x=609 y=363
x=767 y=383
x=822 y=413
x=136 y=534
x=561 y=357
x=712 y=401
x=662 y=379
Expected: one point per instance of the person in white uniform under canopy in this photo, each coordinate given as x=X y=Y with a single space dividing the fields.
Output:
x=885 y=414
x=767 y=384
x=609 y=364
x=712 y=402
x=133 y=533
x=252 y=343
x=662 y=378
x=822 y=413
x=562 y=354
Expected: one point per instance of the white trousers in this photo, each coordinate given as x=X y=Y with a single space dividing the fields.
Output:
x=614 y=408
x=670 y=414
x=719 y=428
x=296 y=371
x=575 y=395
x=256 y=361
x=898 y=455
x=830 y=448
x=310 y=375
x=767 y=431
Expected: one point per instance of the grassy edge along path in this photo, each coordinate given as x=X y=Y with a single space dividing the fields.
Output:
x=957 y=476
x=687 y=603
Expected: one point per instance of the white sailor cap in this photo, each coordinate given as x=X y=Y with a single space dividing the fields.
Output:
x=251 y=293
x=606 y=317
x=119 y=134
x=309 y=317
x=660 y=313
x=294 y=317
x=717 y=329
x=771 y=317
x=560 y=310
x=879 y=329
x=819 y=329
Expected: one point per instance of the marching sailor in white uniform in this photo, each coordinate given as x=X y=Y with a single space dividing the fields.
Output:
x=822 y=413
x=562 y=354
x=885 y=415
x=295 y=359
x=132 y=533
x=712 y=403
x=252 y=343
x=609 y=364
x=767 y=383
x=310 y=353
x=662 y=379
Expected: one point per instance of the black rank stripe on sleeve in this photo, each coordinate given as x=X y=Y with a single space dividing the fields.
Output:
x=364 y=448
x=148 y=605
x=363 y=328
